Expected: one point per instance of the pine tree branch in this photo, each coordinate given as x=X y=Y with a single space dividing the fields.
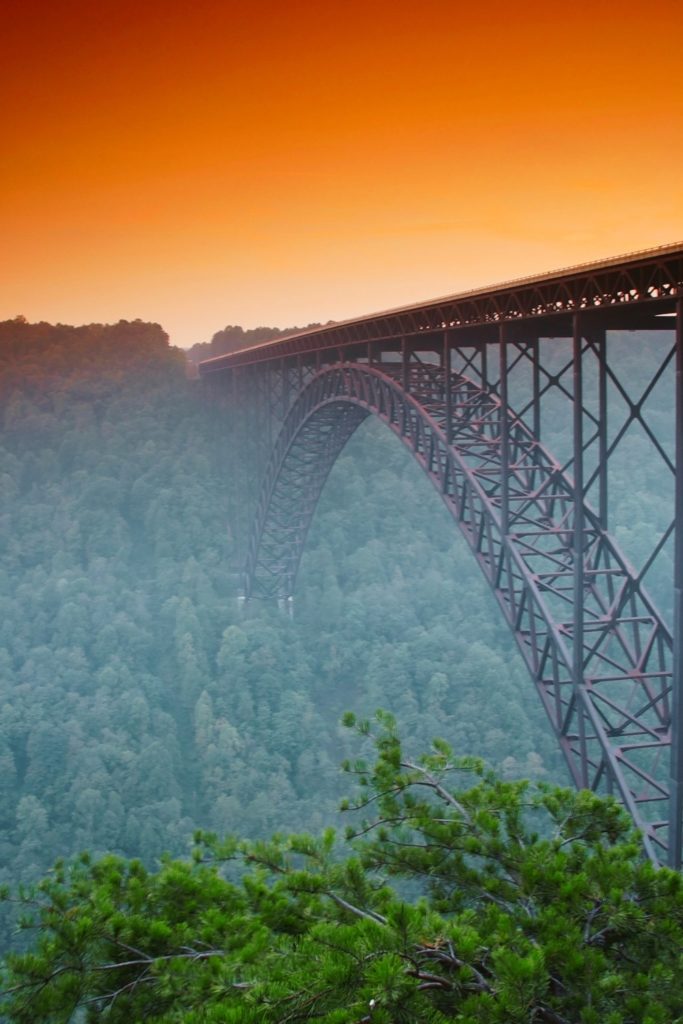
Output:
x=432 y=783
x=368 y=915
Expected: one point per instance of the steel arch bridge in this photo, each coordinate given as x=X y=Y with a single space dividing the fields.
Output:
x=468 y=384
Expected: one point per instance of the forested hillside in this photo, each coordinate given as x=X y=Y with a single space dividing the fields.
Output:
x=138 y=701
x=232 y=338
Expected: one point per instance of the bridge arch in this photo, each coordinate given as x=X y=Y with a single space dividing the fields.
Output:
x=604 y=681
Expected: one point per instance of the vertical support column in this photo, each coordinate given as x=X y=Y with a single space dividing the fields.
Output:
x=446 y=370
x=253 y=429
x=600 y=342
x=676 y=798
x=536 y=385
x=504 y=431
x=284 y=373
x=578 y=542
x=260 y=427
x=268 y=371
x=404 y=364
x=300 y=372
x=483 y=363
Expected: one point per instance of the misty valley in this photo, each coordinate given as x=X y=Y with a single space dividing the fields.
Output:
x=142 y=705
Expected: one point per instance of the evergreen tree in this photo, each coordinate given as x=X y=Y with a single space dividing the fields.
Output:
x=512 y=903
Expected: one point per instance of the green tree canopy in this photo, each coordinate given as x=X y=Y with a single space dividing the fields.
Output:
x=458 y=897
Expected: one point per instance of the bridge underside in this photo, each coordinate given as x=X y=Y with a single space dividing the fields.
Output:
x=470 y=386
x=612 y=722
x=304 y=454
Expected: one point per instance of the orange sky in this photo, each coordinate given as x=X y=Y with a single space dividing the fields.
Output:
x=201 y=163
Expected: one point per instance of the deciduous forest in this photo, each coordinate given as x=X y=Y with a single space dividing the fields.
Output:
x=140 y=703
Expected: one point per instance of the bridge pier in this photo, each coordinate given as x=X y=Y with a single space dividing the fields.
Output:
x=579 y=545
x=676 y=780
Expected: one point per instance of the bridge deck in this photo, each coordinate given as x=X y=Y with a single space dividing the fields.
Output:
x=620 y=293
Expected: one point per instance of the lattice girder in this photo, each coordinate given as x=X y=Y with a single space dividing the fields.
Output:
x=613 y=725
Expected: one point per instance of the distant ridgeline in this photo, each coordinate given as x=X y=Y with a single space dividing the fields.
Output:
x=231 y=339
x=29 y=351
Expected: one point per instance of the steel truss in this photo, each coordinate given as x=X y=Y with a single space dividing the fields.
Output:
x=598 y=652
x=471 y=385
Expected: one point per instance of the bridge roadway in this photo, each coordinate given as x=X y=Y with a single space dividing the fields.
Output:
x=468 y=383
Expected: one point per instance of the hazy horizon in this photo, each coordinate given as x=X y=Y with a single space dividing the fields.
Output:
x=269 y=166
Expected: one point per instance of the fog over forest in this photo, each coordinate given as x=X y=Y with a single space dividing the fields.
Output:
x=138 y=700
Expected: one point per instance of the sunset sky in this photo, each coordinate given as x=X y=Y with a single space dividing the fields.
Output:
x=202 y=164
